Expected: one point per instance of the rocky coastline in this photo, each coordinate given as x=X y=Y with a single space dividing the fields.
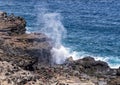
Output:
x=25 y=59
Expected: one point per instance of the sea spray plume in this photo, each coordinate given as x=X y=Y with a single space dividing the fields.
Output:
x=54 y=29
x=51 y=25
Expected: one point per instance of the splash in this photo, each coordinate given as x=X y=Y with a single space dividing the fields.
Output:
x=53 y=28
x=51 y=25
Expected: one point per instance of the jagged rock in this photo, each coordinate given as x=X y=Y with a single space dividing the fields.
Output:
x=118 y=72
x=89 y=59
x=25 y=50
x=94 y=66
x=115 y=81
x=14 y=75
x=90 y=66
x=11 y=24
x=25 y=59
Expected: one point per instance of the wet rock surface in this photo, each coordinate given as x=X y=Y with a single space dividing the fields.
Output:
x=25 y=59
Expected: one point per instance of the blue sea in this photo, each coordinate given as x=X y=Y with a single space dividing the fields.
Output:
x=78 y=28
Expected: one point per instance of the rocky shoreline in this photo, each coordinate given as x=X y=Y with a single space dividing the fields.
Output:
x=25 y=59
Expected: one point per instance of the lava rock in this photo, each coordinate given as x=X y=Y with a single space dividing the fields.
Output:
x=17 y=47
x=118 y=72
x=11 y=24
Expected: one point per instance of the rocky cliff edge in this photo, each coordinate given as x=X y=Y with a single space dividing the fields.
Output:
x=25 y=59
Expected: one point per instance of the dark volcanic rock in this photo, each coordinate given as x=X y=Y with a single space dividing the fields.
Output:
x=89 y=59
x=11 y=24
x=25 y=59
x=90 y=66
x=25 y=50
x=95 y=66
x=118 y=72
x=115 y=81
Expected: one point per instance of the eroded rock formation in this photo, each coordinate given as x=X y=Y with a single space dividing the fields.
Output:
x=11 y=24
x=25 y=50
x=25 y=59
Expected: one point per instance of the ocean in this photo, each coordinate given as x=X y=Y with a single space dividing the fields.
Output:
x=79 y=28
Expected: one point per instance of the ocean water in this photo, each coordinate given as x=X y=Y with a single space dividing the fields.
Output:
x=78 y=28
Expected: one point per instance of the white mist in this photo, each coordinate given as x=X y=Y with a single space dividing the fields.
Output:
x=54 y=29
